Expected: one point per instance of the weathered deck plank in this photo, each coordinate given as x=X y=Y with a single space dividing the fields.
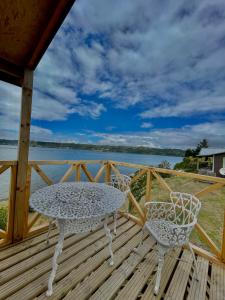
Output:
x=133 y=287
x=198 y=288
x=168 y=268
x=179 y=281
x=99 y=277
x=72 y=255
x=84 y=271
x=217 y=288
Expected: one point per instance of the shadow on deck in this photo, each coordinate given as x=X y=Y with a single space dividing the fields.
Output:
x=84 y=272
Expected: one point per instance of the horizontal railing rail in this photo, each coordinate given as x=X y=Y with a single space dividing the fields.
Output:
x=136 y=211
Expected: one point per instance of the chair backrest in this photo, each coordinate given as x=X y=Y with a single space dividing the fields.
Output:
x=186 y=207
x=121 y=182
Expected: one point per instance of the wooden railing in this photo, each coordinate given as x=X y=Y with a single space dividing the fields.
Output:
x=136 y=210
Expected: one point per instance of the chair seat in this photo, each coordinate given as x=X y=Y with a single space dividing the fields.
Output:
x=161 y=230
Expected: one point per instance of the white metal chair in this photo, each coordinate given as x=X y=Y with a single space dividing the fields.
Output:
x=170 y=224
x=121 y=182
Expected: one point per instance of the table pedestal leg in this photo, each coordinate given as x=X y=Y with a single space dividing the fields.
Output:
x=109 y=236
x=50 y=226
x=115 y=222
x=58 y=251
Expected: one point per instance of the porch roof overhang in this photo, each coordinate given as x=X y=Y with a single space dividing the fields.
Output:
x=210 y=152
x=26 y=30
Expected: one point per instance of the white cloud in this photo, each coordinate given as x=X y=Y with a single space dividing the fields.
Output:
x=189 y=107
x=149 y=51
x=89 y=109
x=184 y=137
x=167 y=57
x=146 y=125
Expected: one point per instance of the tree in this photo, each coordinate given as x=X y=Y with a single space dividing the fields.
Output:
x=202 y=144
x=189 y=152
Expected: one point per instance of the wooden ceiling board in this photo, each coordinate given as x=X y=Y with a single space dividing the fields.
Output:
x=26 y=30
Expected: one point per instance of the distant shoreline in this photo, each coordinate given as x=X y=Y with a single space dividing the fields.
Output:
x=100 y=148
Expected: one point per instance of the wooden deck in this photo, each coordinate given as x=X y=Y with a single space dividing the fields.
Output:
x=84 y=272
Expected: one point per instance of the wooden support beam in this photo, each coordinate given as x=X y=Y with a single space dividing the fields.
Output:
x=36 y=216
x=208 y=240
x=77 y=170
x=190 y=175
x=11 y=207
x=209 y=189
x=67 y=174
x=148 y=186
x=98 y=175
x=27 y=197
x=38 y=230
x=137 y=206
x=64 y=162
x=223 y=240
x=108 y=172
x=115 y=170
x=3 y=234
x=3 y=169
x=204 y=253
x=21 y=205
x=87 y=173
x=129 y=165
x=139 y=174
x=131 y=217
x=162 y=181
x=8 y=163
x=42 y=175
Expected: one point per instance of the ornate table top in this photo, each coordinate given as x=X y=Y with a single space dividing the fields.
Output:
x=77 y=200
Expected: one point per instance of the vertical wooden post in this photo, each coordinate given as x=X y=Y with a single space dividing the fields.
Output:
x=21 y=205
x=197 y=163
x=77 y=170
x=11 y=209
x=27 y=197
x=223 y=240
x=107 y=172
x=148 y=186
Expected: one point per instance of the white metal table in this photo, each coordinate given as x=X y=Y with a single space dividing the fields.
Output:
x=77 y=207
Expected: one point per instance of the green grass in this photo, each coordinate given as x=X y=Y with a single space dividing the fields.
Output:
x=4 y=216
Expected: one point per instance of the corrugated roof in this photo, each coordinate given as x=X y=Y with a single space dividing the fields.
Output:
x=211 y=151
x=26 y=29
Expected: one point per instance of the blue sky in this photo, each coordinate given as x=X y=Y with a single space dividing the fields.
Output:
x=141 y=73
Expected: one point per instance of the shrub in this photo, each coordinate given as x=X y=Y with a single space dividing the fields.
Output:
x=189 y=164
x=164 y=165
x=3 y=217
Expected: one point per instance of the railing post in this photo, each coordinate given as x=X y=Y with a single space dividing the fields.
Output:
x=148 y=186
x=107 y=172
x=77 y=171
x=21 y=205
x=27 y=197
x=223 y=240
x=11 y=208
